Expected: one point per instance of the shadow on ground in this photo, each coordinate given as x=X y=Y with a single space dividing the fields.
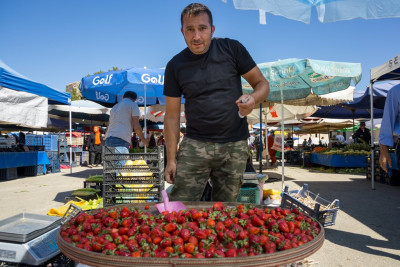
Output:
x=377 y=209
x=60 y=197
x=85 y=173
x=363 y=243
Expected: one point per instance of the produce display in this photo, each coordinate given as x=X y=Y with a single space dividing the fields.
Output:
x=355 y=149
x=212 y=232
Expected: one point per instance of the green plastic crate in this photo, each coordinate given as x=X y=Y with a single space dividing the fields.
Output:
x=249 y=193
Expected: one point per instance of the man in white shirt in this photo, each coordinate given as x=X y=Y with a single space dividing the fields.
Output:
x=124 y=118
x=340 y=138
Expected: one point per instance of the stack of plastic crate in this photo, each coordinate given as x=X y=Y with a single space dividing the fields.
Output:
x=50 y=142
x=54 y=161
x=38 y=140
x=30 y=139
x=132 y=178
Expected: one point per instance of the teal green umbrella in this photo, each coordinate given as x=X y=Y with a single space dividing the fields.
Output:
x=302 y=81
x=299 y=81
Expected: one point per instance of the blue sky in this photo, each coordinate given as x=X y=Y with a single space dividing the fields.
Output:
x=59 y=42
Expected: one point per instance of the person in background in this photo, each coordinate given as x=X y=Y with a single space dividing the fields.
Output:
x=134 y=142
x=208 y=74
x=152 y=140
x=363 y=134
x=390 y=127
x=271 y=151
x=309 y=142
x=94 y=146
x=161 y=141
x=304 y=143
x=340 y=138
x=124 y=118
x=323 y=142
x=289 y=140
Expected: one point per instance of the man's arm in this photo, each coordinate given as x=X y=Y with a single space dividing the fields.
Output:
x=389 y=118
x=138 y=130
x=261 y=90
x=171 y=131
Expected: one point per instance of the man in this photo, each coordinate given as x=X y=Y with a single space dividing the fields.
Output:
x=390 y=125
x=94 y=146
x=289 y=140
x=340 y=138
x=271 y=151
x=124 y=117
x=208 y=73
x=362 y=134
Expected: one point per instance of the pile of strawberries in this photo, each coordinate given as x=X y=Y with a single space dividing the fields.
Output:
x=217 y=231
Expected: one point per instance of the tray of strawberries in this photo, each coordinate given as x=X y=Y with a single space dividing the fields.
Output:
x=205 y=233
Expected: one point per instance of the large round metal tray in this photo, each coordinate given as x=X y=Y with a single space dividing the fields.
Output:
x=273 y=259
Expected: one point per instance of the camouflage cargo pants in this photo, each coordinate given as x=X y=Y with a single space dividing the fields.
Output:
x=197 y=161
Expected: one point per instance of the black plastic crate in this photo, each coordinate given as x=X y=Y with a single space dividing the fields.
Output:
x=94 y=185
x=132 y=177
x=119 y=194
x=325 y=217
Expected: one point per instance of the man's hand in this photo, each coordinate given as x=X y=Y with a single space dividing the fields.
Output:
x=170 y=172
x=384 y=159
x=246 y=104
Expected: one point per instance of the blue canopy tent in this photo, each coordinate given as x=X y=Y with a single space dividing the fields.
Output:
x=11 y=79
x=26 y=88
x=359 y=108
x=25 y=102
x=390 y=70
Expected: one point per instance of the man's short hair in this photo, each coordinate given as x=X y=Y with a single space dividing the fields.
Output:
x=130 y=94
x=362 y=123
x=195 y=9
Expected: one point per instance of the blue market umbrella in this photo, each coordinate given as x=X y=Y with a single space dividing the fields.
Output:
x=328 y=10
x=109 y=87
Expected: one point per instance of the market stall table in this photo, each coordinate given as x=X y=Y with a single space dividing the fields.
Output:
x=23 y=159
x=336 y=160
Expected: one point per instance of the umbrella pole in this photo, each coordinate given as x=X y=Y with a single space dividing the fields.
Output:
x=353 y=122
x=372 y=137
x=261 y=142
x=70 y=138
x=145 y=118
x=282 y=140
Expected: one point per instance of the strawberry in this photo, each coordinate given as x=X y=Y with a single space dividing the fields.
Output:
x=256 y=221
x=189 y=247
x=231 y=253
x=218 y=206
x=283 y=226
x=170 y=227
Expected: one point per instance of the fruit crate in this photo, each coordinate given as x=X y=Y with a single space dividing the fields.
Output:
x=249 y=193
x=326 y=217
x=132 y=177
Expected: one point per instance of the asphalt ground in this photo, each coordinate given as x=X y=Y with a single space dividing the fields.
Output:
x=366 y=230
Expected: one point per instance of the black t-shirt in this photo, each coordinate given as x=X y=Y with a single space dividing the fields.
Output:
x=211 y=83
x=363 y=135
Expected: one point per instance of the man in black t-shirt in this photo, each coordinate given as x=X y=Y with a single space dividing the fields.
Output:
x=208 y=74
x=363 y=134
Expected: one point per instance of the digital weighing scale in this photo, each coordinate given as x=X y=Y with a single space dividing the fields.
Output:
x=29 y=238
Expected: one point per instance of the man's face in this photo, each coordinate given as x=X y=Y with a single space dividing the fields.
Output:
x=197 y=32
